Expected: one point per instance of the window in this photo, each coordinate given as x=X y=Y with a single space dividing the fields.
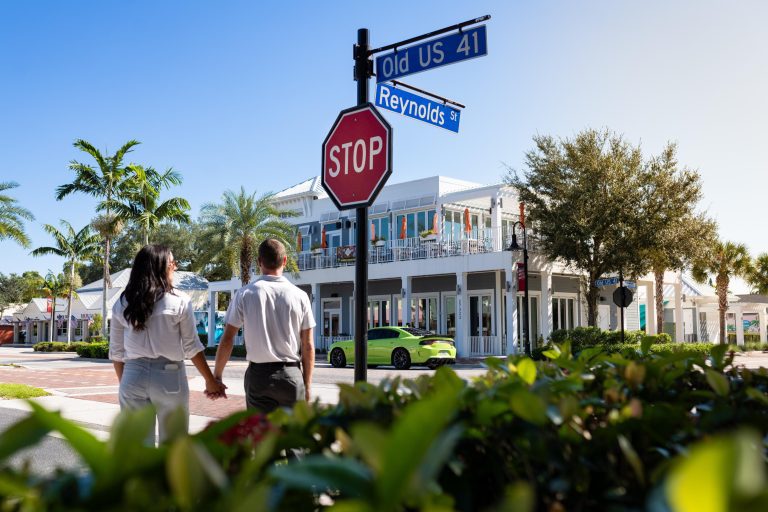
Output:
x=381 y=228
x=415 y=222
x=453 y=225
x=562 y=313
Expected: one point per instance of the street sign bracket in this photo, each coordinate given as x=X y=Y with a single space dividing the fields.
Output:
x=427 y=93
x=458 y=26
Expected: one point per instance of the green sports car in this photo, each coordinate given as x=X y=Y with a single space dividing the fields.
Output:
x=399 y=346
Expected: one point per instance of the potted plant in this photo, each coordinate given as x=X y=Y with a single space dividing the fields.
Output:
x=316 y=248
x=428 y=235
x=379 y=241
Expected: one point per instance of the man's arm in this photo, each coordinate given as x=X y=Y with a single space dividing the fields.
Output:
x=307 y=359
x=224 y=352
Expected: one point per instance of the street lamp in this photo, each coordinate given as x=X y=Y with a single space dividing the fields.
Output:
x=515 y=247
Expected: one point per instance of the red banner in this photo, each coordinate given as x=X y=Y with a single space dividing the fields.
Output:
x=49 y=306
x=520 y=277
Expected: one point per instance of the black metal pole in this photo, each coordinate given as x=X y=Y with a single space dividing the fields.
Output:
x=527 y=299
x=621 y=287
x=361 y=259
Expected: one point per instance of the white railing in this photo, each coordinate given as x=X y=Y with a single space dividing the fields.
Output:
x=323 y=342
x=485 y=346
x=417 y=248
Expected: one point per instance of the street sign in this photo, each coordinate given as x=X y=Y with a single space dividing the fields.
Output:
x=622 y=296
x=456 y=47
x=610 y=281
x=357 y=157
x=417 y=107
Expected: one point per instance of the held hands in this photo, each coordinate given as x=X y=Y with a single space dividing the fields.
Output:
x=215 y=389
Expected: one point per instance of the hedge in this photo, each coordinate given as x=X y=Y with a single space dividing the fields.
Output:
x=98 y=350
x=595 y=431
x=58 y=346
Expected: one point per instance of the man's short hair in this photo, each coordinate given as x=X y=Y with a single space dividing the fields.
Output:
x=271 y=254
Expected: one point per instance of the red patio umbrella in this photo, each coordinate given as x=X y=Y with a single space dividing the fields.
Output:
x=403 y=228
x=298 y=242
x=467 y=226
x=373 y=232
x=322 y=239
x=434 y=223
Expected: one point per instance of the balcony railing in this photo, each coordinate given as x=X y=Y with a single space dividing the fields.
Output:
x=418 y=248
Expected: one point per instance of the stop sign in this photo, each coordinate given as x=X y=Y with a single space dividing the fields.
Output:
x=357 y=157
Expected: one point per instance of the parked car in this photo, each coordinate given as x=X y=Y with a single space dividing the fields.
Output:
x=399 y=346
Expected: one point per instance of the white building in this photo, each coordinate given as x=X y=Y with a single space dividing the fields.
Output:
x=440 y=262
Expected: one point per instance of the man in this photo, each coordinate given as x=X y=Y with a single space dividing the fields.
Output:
x=277 y=321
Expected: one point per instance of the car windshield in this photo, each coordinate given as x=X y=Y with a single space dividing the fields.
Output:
x=416 y=332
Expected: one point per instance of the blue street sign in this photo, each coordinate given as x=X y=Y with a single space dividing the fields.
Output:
x=610 y=281
x=455 y=47
x=417 y=107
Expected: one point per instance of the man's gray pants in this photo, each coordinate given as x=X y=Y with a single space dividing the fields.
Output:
x=159 y=382
x=272 y=385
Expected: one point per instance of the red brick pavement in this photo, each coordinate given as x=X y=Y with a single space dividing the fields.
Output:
x=198 y=403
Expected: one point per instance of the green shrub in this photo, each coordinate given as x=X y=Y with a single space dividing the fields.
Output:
x=237 y=351
x=57 y=346
x=755 y=345
x=10 y=391
x=593 y=432
x=631 y=337
x=98 y=350
x=657 y=338
x=98 y=339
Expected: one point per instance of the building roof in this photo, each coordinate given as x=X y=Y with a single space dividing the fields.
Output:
x=312 y=187
x=181 y=280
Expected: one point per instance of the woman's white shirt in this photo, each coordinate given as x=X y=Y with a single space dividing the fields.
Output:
x=170 y=331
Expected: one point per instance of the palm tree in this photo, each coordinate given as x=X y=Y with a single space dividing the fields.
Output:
x=75 y=247
x=106 y=183
x=11 y=216
x=723 y=261
x=54 y=286
x=758 y=277
x=140 y=202
x=234 y=228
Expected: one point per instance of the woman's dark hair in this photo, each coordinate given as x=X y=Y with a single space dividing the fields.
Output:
x=147 y=284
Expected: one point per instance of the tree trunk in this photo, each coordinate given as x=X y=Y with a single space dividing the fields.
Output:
x=53 y=317
x=593 y=293
x=107 y=285
x=146 y=237
x=722 y=298
x=69 y=302
x=245 y=260
x=658 y=274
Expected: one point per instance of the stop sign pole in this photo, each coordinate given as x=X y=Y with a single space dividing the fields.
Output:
x=362 y=73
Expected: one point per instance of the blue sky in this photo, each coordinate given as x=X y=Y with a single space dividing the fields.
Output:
x=238 y=93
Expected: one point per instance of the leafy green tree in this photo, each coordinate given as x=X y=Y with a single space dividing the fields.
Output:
x=758 y=277
x=55 y=286
x=12 y=216
x=680 y=234
x=75 y=247
x=723 y=261
x=11 y=290
x=106 y=181
x=588 y=199
x=140 y=202
x=234 y=228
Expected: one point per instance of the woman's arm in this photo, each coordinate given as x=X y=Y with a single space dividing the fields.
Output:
x=213 y=388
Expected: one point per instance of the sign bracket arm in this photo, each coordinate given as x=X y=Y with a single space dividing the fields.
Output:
x=458 y=26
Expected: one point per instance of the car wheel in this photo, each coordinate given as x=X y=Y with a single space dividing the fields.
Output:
x=401 y=359
x=433 y=366
x=338 y=359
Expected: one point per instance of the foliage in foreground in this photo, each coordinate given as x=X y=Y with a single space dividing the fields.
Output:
x=594 y=432
x=10 y=391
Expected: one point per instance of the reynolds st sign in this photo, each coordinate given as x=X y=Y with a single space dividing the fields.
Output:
x=456 y=47
x=417 y=107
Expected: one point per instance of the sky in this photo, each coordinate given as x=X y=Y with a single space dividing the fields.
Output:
x=242 y=93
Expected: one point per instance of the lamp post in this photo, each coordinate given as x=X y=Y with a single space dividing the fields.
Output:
x=515 y=247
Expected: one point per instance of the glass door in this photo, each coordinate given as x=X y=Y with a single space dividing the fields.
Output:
x=379 y=312
x=331 y=317
x=424 y=313
x=533 y=318
x=449 y=315
x=480 y=315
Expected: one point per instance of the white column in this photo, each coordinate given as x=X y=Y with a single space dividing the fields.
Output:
x=405 y=295
x=650 y=308
x=739 y=326
x=762 y=318
x=511 y=296
x=497 y=314
x=317 y=311
x=546 y=305
x=462 y=316
x=679 y=332
x=213 y=305
x=16 y=331
x=440 y=221
x=498 y=243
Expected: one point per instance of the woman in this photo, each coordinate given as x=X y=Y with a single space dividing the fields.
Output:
x=153 y=331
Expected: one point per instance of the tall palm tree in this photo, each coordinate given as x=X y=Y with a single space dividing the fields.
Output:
x=234 y=228
x=758 y=277
x=54 y=286
x=723 y=261
x=75 y=247
x=140 y=202
x=12 y=215
x=105 y=182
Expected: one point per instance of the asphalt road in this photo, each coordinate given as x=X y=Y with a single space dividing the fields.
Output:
x=44 y=457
